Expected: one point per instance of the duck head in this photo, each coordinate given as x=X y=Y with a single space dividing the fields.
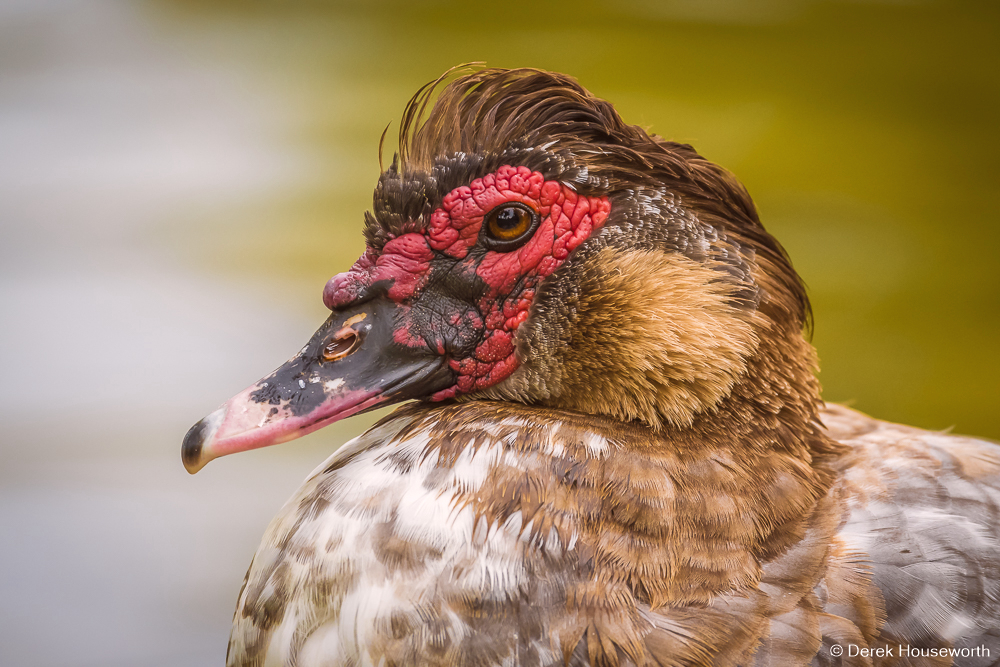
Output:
x=527 y=245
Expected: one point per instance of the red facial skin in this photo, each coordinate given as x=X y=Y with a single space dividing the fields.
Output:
x=567 y=220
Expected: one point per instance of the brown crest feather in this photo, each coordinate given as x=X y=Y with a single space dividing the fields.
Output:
x=491 y=112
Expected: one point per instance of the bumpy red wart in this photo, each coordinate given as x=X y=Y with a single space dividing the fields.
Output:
x=407 y=263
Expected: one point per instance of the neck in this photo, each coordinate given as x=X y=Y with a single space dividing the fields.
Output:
x=764 y=447
x=739 y=483
x=676 y=515
x=657 y=338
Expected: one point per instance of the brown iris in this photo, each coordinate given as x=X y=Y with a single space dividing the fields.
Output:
x=344 y=342
x=509 y=226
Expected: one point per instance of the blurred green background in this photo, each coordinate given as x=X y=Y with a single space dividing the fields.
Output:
x=178 y=179
x=867 y=132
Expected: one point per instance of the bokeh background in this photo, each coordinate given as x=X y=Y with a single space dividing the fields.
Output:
x=179 y=178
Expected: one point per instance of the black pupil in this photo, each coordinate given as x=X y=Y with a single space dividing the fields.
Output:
x=509 y=218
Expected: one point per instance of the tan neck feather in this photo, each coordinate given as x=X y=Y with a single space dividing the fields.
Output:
x=656 y=339
x=659 y=338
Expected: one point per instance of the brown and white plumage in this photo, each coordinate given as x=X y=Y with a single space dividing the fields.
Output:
x=481 y=534
x=621 y=457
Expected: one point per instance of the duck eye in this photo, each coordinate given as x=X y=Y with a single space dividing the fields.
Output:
x=509 y=226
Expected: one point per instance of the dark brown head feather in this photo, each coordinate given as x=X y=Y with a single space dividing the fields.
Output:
x=493 y=110
x=548 y=122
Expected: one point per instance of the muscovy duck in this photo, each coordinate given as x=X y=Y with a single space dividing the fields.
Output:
x=619 y=454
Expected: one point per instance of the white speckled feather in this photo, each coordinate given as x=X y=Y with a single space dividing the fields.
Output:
x=364 y=564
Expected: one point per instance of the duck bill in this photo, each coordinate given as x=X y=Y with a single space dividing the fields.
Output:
x=352 y=364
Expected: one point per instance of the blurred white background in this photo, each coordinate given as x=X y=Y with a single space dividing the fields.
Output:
x=113 y=343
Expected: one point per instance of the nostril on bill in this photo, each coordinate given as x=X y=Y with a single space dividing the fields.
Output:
x=345 y=342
